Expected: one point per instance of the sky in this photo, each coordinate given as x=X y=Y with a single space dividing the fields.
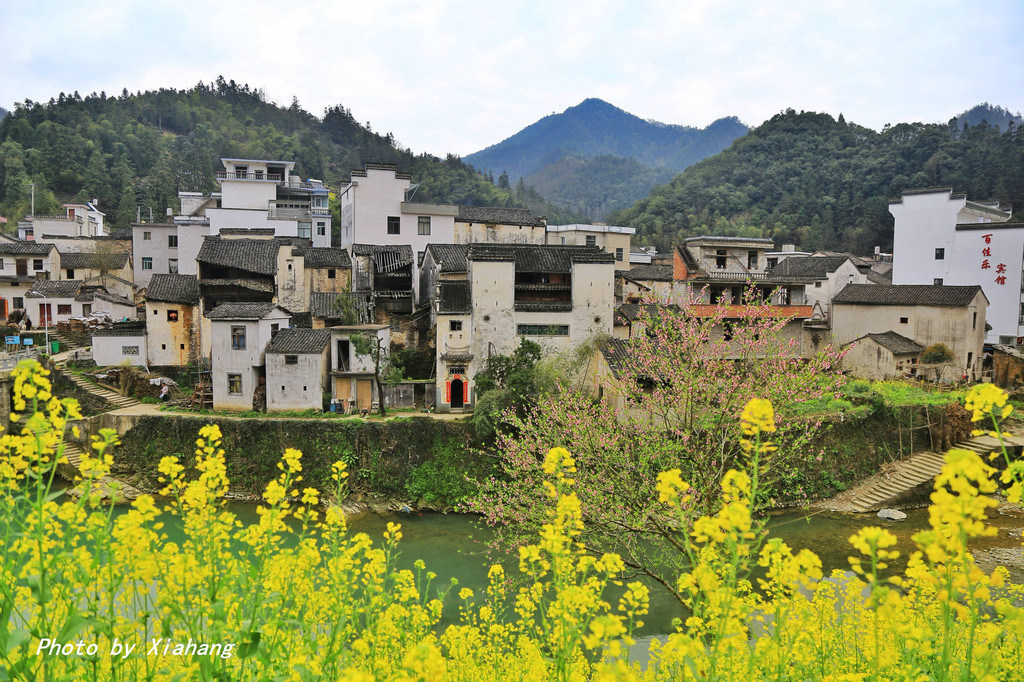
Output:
x=455 y=77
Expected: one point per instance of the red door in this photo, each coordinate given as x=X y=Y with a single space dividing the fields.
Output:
x=44 y=314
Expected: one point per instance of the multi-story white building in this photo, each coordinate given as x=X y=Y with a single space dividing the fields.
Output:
x=78 y=220
x=614 y=239
x=240 y=334
x=265 y=194
x=942 y=238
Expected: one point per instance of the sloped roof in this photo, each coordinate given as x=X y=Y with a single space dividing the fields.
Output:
x=539 y=258
x=816 y=267
x=649 y=273
x=88 y=294
x=497 y=216
x=454 y=298
x=897 y=344
x=449 y=257
x=323 y=257
x=52 y=288
x=242 y=311
x=25 y=248
x=253 y=255
x=386 y=258
x=94 y=261
x=907 y=294
x=628 y=312
x=616 y=353
x=173 y=289
x=293 y=340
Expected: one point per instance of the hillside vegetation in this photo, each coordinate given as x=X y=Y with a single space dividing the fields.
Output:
x=595 y=157
x=809 y=179
x=141 y=149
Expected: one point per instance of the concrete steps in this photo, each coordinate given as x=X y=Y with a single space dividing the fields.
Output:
x=918 y=470
x=116 y=399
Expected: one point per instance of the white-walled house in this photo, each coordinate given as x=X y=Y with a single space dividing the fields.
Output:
x=52 y=301
x=376 y=208
x=240 y=333
x=173 y=319
x=823 y=277
x=353 y=381
x=21 y=264
x=123 y=343
x=297 y=365
x=940 y=237
x=78 y=220
x=615 y=239
x=259 y=193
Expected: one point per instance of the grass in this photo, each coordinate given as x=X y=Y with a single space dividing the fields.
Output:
x=288 y=414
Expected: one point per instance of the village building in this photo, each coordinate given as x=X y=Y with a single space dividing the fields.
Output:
x=926 y=314
x=258 y=193
x=1007 y=367
x=820 y=277
x=298 y=361
x=89 y=265
x=78 y=220
x=125 y=342
x=377 y=207
x=327 y=269
x=21 y=263
x=557 y=296
x=352 y=375
x=631 y=319
x=240 y=333
x=155 y=251
x=441 y=263
x=882 y=356
x=939 y=237
x=383 y=277
x=613 y=239
x=173 y=320
x=644 y=282
x=498 y=225
x=54 y=301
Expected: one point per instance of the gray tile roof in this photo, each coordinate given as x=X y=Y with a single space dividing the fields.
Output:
x=102 y=295
x=241 y=311
x=64 y=288
x=94 y=261
x=816 y=267
x=497 y=216
x=616 y=353
x=628 y=312
x=386 y=258
x=649 y=273
x=449 y=257
x=322 y=257
x=173 y=289
x=294 y=340
x=321 y=304
x=242 y=282
x=710 y=239
x=907 y=294
x=25 y=248
x=253 y=255
x=897 y=344
x=540 y=258
x=454 y=298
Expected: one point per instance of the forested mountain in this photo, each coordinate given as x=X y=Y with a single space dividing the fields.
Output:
x=993 y=115
x=141 y=149
x=595 y=157
x=818 y=182
x=3 y=113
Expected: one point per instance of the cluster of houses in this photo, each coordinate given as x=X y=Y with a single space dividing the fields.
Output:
x=248 y=285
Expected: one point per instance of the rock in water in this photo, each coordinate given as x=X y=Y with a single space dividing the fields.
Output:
x=892 y=515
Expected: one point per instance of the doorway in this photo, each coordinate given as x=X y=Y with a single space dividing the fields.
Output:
x=44 y=314
x=457 y=388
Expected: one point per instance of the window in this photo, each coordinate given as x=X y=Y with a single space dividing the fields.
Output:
x=291 y=359
x=235 y=384
x=305 y=231
x=147 y=236
x=63 y=308
x=457 y=369
x=274 y=329
x=86 y=309
x=37 y=264
x=70 y=273
x=331 y=273
x=751 y=260
x=455 y=325
x=937 y=281
x=238 y=338
x=259 y=174
x=172 y=315
x=147 y=263
x=542 y=330
x=940 y=254
x=817 y=285
x=591 y=240
x=394 y=225
x=321 y=227
x=129 y=350
x=904 y=320
x=423 y=224
x=18 y=302
x=1 y=263
x=172 y=241
x=172 y=266
x=720 y=259
x=974 y=321
x=619 y=254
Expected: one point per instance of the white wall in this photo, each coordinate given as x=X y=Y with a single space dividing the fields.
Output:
x=110 y=350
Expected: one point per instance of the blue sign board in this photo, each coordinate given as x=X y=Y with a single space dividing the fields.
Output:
x=28 y=341
x=13 y=340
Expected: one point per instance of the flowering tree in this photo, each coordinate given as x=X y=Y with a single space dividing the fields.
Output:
x=681 y=383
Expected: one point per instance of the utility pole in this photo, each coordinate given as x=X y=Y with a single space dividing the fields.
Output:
x=32 y=211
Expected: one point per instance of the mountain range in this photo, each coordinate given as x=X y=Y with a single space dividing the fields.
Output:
x=594 y=157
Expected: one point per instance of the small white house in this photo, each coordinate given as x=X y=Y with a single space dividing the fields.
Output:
x=240 y=334
x=297 y=363
x=119 y=345
x=353 y=381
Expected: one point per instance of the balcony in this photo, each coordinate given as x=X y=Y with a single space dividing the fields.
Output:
x=732 y=276
x=242 y=175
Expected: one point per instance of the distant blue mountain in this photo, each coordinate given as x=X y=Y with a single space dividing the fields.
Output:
x=595 y=128
x=995 y=116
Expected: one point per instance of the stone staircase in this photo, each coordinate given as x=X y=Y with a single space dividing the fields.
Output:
x=115 y=399
x=917 y=470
